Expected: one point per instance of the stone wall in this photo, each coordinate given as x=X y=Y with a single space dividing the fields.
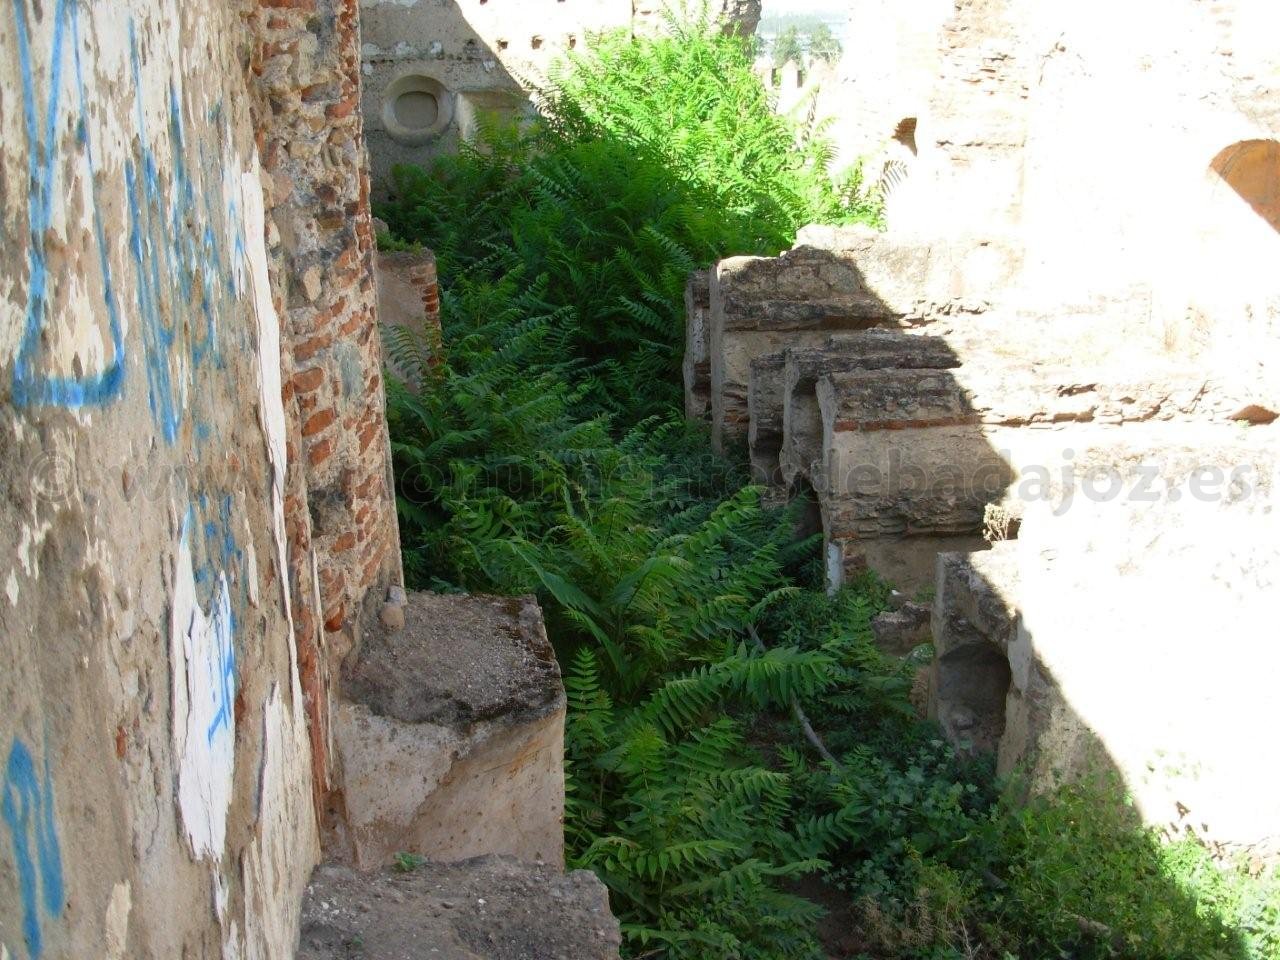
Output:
x=196 y=506
x=1058 y=371
x=339 y=509
x=881 y=86
x=1124 y=150
x=433 y=67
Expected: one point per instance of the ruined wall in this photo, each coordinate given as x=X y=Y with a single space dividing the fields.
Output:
x=194 y=464
x=432 y=67
x=1132 y=151
x=882 y=85
x=1080 y=364
x=340 y=509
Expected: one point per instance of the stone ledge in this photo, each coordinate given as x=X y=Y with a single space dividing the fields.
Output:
x=450 y=735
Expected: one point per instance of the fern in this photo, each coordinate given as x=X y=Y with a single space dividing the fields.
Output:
x=539 y=448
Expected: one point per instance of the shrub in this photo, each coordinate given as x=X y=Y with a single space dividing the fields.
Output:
x=546 y=454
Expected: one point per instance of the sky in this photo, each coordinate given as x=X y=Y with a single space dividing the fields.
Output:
x=834 y=12
x=824 y=7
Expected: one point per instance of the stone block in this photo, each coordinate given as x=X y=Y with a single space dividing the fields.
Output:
x=488 y=908
x=450 y=735
x=697 y=363
x=843 y=353
x=763 y=305
x=764 y=408
x=898 y=632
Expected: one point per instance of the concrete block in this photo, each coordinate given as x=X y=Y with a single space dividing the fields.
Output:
x=450 y=735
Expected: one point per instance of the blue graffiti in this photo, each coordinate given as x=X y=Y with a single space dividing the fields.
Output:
x=211 y=575
x=28 y=810
x=30 y=387
x=224 y=677
x=217 y=549
x=223 y=554
x=185 y=241
x=178 y=257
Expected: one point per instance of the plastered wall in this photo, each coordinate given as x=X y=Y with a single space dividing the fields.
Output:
x=194 y=500
x=1110 y=141
x=433 y=67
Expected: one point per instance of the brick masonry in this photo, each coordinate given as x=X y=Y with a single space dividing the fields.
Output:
x=344 y=544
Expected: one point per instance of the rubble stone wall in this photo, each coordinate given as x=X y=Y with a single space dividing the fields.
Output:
x=1125 y=149
x=1065 y=344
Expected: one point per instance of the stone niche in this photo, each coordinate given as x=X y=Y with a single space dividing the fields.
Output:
x=435 y=69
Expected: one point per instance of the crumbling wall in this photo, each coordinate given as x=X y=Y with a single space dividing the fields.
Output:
x=340 y=509
x=433 y=67
x=1065 y=343
x=881 y=86
x=1130 y=150
x=194 y=464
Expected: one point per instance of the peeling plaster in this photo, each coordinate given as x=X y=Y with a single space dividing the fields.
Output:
x=11 y=588
x=202 y=655
x=270 y=385
x=115 y=926
x=276 y=866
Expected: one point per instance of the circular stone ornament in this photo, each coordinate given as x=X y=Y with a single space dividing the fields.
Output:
x=416 y=109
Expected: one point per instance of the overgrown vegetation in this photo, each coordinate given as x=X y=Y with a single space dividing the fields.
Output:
x=546 y=454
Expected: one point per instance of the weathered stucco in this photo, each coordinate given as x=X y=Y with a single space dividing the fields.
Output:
x=433 y=67
x=1078 y=313
x=154 y=727
x=166 y=261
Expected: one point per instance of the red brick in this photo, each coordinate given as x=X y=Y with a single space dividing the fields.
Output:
x=368 y=435
x=344 y=543
x=353 y=324
x=333 y=621
x=309 y=348
x=320 y=452
x=318 y=422
x=308 y=380
x=336 y=111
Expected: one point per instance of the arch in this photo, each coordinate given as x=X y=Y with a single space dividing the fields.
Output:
x=416 y=109
x=1252 y=169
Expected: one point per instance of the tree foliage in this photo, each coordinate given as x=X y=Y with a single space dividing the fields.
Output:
x=823 y=44
x=788 y=47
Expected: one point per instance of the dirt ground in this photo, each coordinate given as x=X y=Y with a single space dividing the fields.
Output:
x=490 y=908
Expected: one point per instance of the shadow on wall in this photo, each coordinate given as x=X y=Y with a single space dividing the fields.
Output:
x=1252 y=169
x=428 y=76
x=432 y=69
x=1010 y=679
x=914 y=444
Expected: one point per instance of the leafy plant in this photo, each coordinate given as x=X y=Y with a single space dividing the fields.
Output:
x=540 y=449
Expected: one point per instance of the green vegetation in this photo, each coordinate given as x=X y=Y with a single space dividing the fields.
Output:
x=823 y=44
x=802 y=38
x=788 y=47
x=547 y=454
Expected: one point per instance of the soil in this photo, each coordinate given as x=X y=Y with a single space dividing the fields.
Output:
x=489 y=908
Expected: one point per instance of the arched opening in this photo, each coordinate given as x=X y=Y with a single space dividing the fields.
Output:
x=971 y=690
x=1252 y=169
x=416 y=108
